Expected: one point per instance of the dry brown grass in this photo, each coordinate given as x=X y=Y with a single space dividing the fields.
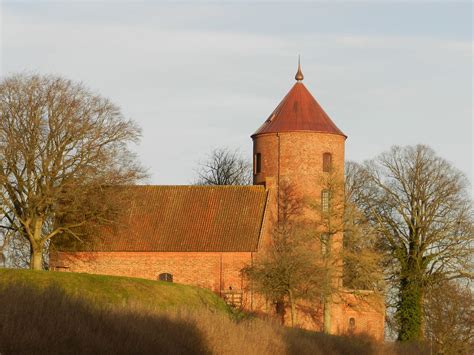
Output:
x=48 y=321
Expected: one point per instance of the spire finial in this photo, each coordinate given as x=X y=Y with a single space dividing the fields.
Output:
x=299 y=74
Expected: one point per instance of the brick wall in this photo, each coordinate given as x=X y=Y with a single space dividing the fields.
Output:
x=297 y=158
x=365 y=308
x=214 y=271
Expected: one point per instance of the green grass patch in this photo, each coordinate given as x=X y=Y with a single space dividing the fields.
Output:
x=119 y=291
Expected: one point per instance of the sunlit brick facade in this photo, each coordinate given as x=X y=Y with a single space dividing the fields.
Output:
x=295 y=145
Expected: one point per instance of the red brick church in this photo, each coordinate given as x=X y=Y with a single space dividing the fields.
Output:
x=205 y=235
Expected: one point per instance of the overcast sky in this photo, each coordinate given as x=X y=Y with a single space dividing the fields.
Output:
x=199 y=75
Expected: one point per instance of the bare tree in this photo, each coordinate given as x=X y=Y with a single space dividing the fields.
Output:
x=287 y=271
x=60 y=144
x=363 y=259
x=18 y=253
x=225 y=167
x=347 y=243
x=328 y=227
x=3 y=248
x=16 y=250
x=420 y=208
x=449 y=318
x=306 y=260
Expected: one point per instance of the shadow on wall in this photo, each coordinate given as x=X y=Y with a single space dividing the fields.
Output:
x=49 y=321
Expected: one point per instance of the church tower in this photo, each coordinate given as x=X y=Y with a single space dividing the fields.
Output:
x=298 y=145
x=300 y=148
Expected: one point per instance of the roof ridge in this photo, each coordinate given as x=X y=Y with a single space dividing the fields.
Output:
x=201 y=186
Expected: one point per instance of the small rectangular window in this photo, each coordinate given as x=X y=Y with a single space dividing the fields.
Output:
x=325 y=200
x=165 y=277
x=258 y=163
x=327 y=162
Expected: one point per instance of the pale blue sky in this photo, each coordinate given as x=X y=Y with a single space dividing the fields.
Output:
x=198 y=75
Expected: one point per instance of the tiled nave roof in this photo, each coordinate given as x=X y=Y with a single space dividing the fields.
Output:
x=187 y=219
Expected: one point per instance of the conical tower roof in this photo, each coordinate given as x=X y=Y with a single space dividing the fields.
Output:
x=299 y=111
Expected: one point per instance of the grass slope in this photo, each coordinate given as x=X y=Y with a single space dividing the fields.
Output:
x=115 y=290
x=44 y=312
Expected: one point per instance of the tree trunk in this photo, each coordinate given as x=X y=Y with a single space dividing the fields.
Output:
x=409 y=312
x=280 y=310
x=326 y=315
x=292 y=308
x=36 y=262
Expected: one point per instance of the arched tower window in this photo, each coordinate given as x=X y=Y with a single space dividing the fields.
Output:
x=325 y=200
x=327 y=162
x=165 y=277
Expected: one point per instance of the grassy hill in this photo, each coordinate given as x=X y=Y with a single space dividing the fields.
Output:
x=118 y=291
x=43 y=312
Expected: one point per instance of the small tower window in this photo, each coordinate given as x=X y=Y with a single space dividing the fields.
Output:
x=257 y=163
x=327 y=162
x=325 y=200
x=165 y=277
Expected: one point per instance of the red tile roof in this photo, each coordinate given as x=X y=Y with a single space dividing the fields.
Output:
x=188 y=219
x=298 y=111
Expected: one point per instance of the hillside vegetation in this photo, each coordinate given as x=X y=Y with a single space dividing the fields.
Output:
x=102 y=290
x=66 y=313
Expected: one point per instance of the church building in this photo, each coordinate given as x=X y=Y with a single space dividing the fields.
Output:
x=206 y=235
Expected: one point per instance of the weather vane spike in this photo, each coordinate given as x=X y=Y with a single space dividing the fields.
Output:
x=299 y=74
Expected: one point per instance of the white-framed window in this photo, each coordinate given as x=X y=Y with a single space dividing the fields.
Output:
x=325 y=200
